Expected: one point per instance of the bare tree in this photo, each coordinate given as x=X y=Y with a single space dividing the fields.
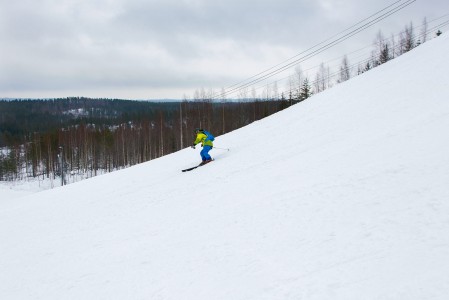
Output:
x=253 y=93
x=393 y=47
x=180 y=123
x=254 y=96
x=290 y=88
x=223 y=101
x=197 y=95
x=267 y=92
x=299 y=81
x=328 y=77
x=275 y=91
x=345 y=71
x=406 y=39
x=316 y=83
x=424 y=31
x=321 y=80
x=243 y=94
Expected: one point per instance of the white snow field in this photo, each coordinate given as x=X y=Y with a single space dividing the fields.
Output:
x=344 y=196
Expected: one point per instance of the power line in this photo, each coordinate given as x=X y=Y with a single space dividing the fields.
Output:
x=366 y=60
x=323 y=48
x=309 y=49
x=276 y=70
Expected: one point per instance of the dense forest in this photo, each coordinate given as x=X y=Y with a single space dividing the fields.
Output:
x=81 y=135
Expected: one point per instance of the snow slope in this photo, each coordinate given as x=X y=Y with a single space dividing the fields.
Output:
x=344 y=196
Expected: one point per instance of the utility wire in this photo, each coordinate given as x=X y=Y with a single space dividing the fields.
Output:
x=366 y=60
x=309 y=49
x=323 y=48
x=258 y=78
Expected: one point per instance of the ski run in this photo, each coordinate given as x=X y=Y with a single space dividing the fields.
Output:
x=344 y=196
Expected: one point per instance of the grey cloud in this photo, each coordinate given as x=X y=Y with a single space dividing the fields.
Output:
x=243 y=20
x=184 y=43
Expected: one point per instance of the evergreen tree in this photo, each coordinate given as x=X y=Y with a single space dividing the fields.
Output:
x=384 y=54
x=306 y=90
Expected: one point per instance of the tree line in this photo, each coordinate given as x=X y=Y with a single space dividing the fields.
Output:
x=51 y=138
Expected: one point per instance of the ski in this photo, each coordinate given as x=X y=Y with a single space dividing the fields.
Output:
x=193 y=168
x=190 y=169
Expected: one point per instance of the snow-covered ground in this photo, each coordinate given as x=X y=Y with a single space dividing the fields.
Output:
x=344 y=196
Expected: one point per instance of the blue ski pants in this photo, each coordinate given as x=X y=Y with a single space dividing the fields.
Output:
x=205 y=153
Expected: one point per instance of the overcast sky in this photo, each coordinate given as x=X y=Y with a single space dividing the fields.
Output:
x=150 y=49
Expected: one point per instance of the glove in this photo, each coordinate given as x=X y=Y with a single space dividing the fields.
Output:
x=193 y=146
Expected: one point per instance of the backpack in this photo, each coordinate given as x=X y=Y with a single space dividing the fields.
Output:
x=209 y=135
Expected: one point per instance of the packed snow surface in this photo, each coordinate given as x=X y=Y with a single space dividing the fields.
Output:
x=343 y=196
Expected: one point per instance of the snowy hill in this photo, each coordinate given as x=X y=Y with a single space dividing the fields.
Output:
x=344 y=196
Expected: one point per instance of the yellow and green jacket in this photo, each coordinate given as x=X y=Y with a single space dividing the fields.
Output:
x=201 y=138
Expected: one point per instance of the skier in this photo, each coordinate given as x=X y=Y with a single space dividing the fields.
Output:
x=205 y=138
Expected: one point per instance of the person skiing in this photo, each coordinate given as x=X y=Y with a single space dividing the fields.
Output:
x=206 y=139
